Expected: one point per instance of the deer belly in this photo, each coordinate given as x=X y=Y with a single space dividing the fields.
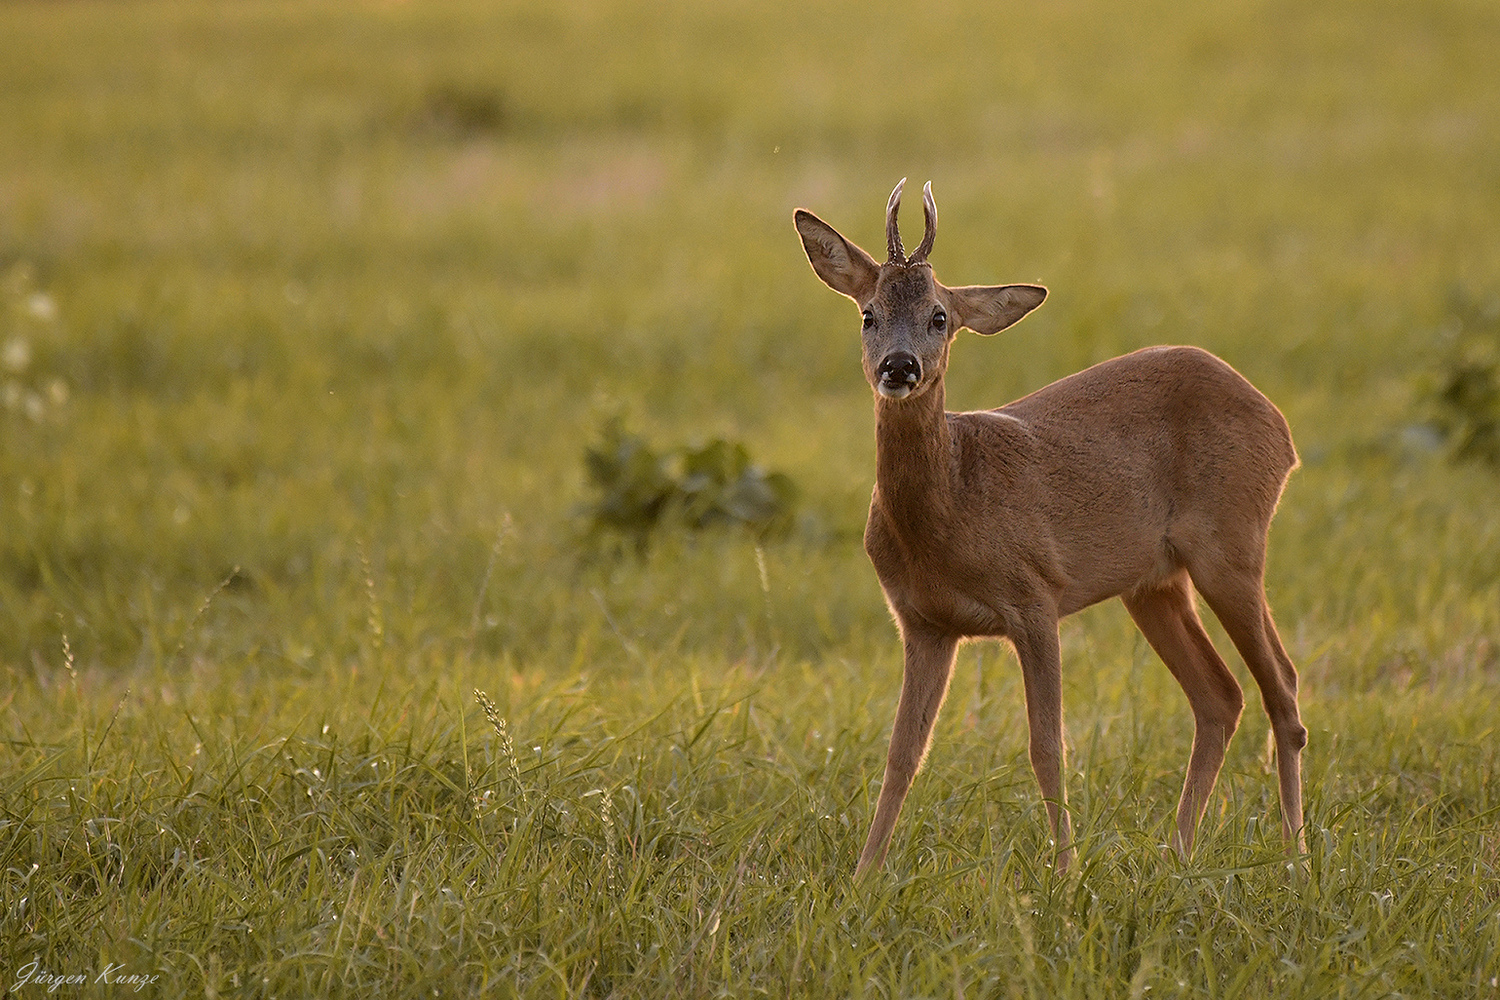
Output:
x=947 y=609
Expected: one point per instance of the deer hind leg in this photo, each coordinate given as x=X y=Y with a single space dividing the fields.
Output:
x=1041 y=670
x=924 y=684
x=1239 y=601
x=1171 y=625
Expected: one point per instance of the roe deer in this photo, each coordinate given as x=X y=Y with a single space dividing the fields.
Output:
x=1130 y=478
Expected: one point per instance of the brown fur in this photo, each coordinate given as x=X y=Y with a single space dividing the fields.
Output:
x=1128 y=479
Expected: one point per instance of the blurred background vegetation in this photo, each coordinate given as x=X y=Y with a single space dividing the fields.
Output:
x=282 y=280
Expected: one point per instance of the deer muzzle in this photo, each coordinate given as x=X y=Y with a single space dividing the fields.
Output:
x=898 y=374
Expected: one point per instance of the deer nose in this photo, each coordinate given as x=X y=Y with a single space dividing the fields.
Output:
x=899 y=372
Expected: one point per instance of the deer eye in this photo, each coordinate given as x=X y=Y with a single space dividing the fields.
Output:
x=869 y=318
x=939 y=319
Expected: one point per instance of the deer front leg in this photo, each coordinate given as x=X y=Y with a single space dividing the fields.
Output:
x=1041 y=670
x=924 y=683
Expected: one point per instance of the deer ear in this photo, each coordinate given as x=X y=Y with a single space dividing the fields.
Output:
x=843 y=266
x=989 y=309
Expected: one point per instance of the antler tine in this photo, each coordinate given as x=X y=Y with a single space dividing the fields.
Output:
x=892 y=234
x=929 y=216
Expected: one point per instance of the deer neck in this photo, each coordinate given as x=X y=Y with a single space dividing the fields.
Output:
x=914 y=460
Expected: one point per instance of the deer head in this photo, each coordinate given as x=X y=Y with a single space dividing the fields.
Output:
x=909 y=318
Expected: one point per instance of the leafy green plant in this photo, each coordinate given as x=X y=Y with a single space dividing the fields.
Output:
x=28 y=316
x=1466 y=392
x=641 y=489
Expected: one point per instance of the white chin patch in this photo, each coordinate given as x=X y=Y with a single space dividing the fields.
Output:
x=893 y=391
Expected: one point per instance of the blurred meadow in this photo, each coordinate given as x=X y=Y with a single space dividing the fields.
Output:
x=310 y=312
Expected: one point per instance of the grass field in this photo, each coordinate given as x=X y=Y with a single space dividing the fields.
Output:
x=310 y=312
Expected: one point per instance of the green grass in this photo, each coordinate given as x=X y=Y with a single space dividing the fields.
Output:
x=308 y=313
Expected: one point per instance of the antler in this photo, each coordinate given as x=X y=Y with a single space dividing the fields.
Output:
x=929 y=217
x=892 y=234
